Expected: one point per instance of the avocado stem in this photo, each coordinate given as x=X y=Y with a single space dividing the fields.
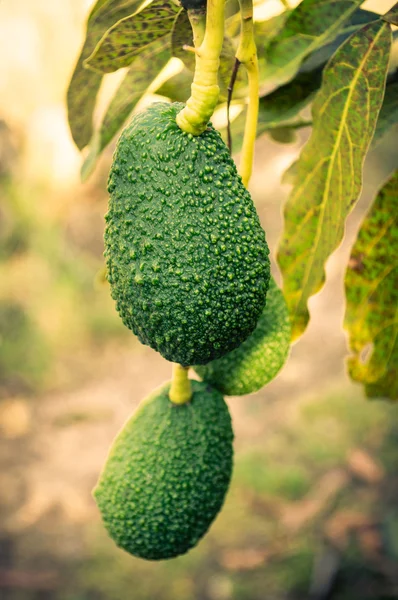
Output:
x=180 y=389
x=205 y=91
x=247 y=55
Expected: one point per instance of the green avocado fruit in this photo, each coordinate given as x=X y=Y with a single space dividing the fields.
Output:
x=261 y=356
x=186 y=255
x=167 y=473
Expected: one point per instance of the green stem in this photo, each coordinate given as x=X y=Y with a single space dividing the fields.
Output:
x=180 y=389
x=204 y=90
x=247 y=55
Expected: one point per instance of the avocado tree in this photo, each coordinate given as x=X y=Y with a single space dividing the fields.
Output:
x=187 y=259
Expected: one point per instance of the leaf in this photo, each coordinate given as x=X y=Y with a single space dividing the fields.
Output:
x=129 y=36
x=309 y=26
x=392 y=15
x=329 y=172
x=84 y=85
x=177 y=87
x=279 y=108
x=388 y=116
x=261 y=356
x=181 y=35
x=320 y=56
x=371 y=285
x=135 y=83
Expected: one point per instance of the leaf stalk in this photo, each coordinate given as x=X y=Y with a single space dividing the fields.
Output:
x=247 y=55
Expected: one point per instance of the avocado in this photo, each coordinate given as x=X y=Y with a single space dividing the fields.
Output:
x=186 y=255
x=167 y=473
x=261 y=356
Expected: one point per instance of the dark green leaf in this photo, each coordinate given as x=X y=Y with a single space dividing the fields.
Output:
x=371 y=285
x=388 y=116
x=129 y=36
x=84 y=84
x=392 y=15
x=329 y=172
x=140 y=75
x=260 y=358
x=281 y=107
x=320 y=57
x=182 y=36
x=312 y=24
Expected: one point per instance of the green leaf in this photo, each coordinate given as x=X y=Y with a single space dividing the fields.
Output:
x=392 y=15
x=329 y=172
x=177 y=87
x=320 y=56
x=84 y=84
x=261 y=356
x=181 y=35
x=279 y=108
x=371 y=285
x=129 y=36
x=134 y=85
x=387 y=119
x=388 y=116
x=309 y=26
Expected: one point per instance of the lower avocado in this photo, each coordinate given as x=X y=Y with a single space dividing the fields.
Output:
x=167 y=473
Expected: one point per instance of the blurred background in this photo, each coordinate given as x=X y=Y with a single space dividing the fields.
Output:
x=312 y=511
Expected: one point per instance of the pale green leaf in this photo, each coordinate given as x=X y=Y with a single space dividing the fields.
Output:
x=371 y=285
x=311 y=25
x=84 y=85
x=129 y=36
x=329 y=172
x=259 y=359
x=177 y=87
x=134 y=85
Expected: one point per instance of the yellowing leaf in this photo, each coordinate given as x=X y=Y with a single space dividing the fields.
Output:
x=128 y=37
x=329 y=172
x=371 y=285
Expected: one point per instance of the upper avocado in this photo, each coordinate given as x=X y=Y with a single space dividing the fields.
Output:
x=186 y=255
x=167 y=473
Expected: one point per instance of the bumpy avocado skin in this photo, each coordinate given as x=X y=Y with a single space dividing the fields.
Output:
x=167 y=473
x=261 y=356
x=186 y=255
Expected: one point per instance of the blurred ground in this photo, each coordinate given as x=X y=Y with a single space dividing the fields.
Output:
x=312 y=510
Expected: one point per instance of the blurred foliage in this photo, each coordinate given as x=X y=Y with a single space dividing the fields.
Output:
x=53 y=306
